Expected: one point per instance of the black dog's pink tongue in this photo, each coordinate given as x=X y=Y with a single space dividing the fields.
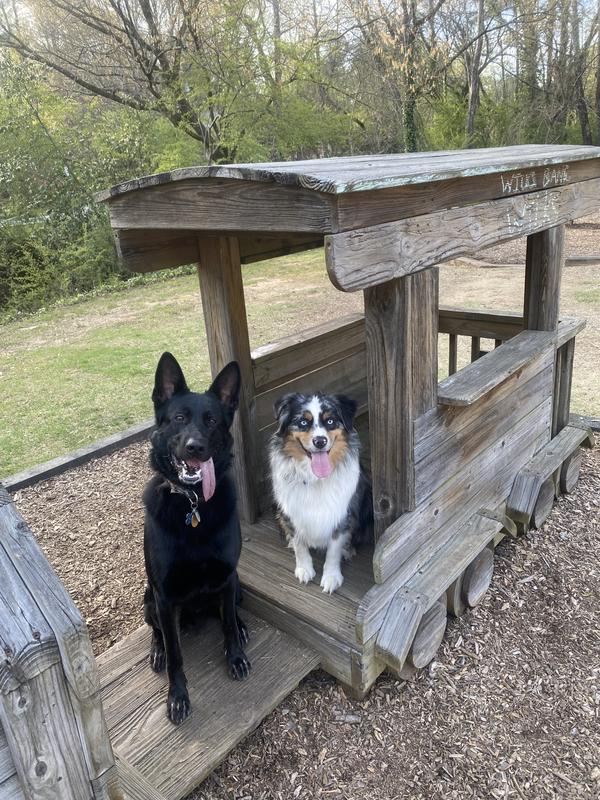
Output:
x=320 y=464
x=208 y=478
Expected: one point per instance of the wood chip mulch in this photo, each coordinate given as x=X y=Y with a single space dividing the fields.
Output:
x=509 y=708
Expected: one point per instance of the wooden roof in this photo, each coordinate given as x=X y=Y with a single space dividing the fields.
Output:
x=365 y=173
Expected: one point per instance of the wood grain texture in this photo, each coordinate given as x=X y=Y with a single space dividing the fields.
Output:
x=135 y=786
x=278 y=362
x=173 y=760
x=44 y=738
x=455 y=603
x=528 y=481
x=477 y=577
x=563 y=380
x=484 y=482
x=543 y=270
x=207 y=204
x=543 y=504
x=7 y=765
x=429 y=636
x=227 y=338
x=401 y=331
x=10 y=789
x=366 y=257
x=363 y=173
x=480 y=377
x=569 y=472
x=147 y=250
x=23 y=558
x=399 y=628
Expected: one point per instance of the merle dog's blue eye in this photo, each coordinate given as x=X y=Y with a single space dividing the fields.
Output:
x=330 y=422
x=303 y=423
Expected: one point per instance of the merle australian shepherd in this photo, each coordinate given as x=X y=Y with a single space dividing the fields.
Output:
x=192 y=538
x=322 y=496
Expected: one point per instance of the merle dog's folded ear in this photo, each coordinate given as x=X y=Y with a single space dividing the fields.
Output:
x=168 y=381
x=226 y=386
x=283 y=411
x=347 y=409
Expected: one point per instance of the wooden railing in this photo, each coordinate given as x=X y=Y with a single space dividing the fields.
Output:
x=476 y=325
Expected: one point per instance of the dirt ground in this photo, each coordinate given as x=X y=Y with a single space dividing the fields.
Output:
x=509 y=708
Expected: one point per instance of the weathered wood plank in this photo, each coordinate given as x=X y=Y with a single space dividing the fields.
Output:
x=366 y=257
x=429 y=636
x=478 y=378
x=10 y=789
x=69 y=630
x=477 y=577
x=363 y=173
x=175 y=759
x=7 y=765
x=564 y=376
x=399 y=628
x=401 y=331
x=208 y=204
x=485 y=482
x=42 y=729
x=453 y=558
x=528 y=481
x=134 y=785
x=569 y=472
x=447 y=461
x=291 y=356
x=440 y=427
x=143 y=250
x=224 y=308
x=543 y=270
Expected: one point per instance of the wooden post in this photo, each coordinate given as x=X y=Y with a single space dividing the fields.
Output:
x=50 y=706
x=401 y=320
x=222 y=291
x=562 y=386
x=545 y=256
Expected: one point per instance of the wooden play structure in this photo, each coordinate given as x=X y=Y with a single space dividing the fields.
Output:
x=456 y=463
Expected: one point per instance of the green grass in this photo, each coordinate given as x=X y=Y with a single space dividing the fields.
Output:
x=80 y=371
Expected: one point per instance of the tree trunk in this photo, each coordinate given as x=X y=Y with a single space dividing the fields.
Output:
x=579 y=69
x=474 y=76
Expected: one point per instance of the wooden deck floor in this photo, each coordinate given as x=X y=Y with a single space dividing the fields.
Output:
x=168 y=761
x=325 y=622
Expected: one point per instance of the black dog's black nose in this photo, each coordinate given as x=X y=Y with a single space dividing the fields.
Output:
x=320 y=442
x=194 y=448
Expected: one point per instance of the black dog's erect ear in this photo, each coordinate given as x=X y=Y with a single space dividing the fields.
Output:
x=283 y=410
x=168 y=380
x=347 y=409
x=226 y=386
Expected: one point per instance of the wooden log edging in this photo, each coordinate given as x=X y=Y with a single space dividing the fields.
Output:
x=56 y=466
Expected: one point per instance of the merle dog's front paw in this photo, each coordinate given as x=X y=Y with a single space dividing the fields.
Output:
x=243 y=630
x=178 y=705
x=238 y=665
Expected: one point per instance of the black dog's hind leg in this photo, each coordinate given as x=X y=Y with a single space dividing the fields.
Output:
x=157 y=646
x=178 y=700
x=234 y=631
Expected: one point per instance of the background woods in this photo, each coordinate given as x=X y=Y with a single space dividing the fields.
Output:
x=95 y=91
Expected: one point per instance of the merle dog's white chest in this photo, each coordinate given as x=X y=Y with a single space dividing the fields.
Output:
x=315 y=506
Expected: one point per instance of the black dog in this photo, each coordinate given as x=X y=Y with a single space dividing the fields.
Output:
x=192 y=537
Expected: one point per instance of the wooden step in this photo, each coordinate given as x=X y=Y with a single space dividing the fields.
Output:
x=172 y=760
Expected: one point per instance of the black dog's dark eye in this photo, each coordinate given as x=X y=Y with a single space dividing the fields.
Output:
x=179 y=418
x=330 y=422
x=210 y=420
x=303 y=423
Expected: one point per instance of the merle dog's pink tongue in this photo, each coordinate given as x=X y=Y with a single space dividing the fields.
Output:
x=321 y=465
x=208 y=478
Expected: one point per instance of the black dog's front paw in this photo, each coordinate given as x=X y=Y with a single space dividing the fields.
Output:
x=238 y=665
x=178 y=705
x=243 y=630
x=158 y=658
